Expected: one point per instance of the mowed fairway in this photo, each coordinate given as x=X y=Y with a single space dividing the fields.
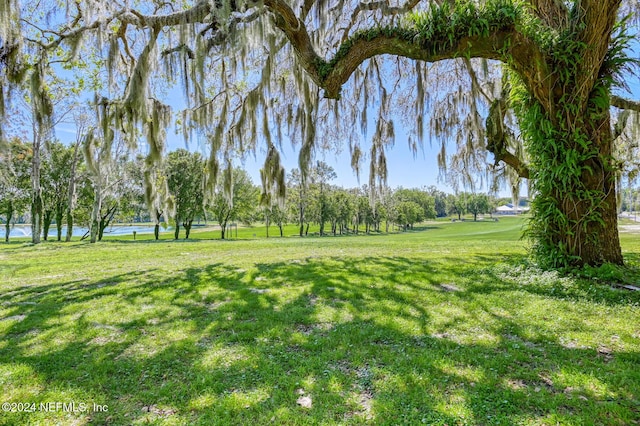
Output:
x=447 y=324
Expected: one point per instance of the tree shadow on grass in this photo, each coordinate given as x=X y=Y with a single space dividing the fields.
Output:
x=383 y=340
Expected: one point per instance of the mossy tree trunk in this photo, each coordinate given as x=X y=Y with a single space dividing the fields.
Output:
x=575 y=213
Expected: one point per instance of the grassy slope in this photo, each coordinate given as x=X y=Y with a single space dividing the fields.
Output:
x=445 y=325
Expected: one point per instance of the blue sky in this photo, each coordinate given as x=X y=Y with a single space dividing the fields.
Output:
x=403 y=169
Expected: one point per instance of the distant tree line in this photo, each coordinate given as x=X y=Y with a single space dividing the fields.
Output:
x=92 y=188
x=630 y=199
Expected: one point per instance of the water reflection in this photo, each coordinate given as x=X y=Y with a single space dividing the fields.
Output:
x=24 y=230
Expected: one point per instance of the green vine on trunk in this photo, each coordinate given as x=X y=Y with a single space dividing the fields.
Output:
x=568 y=158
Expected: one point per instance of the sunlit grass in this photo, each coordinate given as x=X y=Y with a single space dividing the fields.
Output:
x=447 y=324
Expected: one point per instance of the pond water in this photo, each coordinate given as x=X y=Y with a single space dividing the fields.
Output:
x=24 y=230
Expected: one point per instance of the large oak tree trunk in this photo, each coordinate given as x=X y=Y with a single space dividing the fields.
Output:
x=600 y=242
x=575 y=213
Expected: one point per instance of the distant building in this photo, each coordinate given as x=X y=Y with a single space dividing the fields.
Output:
x=511 y=209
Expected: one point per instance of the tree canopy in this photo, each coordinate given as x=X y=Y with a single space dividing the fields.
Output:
x=531 y=83
x=184 y=180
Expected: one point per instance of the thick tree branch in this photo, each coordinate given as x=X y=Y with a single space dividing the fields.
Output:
x=497 y=137
x=197 y=13
x=598 y=18
x=504 y=44
x=296 y=31
x=513 y=162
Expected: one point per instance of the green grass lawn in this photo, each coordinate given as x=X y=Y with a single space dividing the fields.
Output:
x=446 y=324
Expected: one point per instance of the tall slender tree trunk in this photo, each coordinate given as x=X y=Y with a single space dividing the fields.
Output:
x=301 y=221
x=103 y=225
x=72 y=192
x=7 y=226
x=46 y=224
x=69 y=225
x=187 y=228
x=156 y=228
x=37 y=205
x=59 y=217
x=95 y=214
x=176 y=232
